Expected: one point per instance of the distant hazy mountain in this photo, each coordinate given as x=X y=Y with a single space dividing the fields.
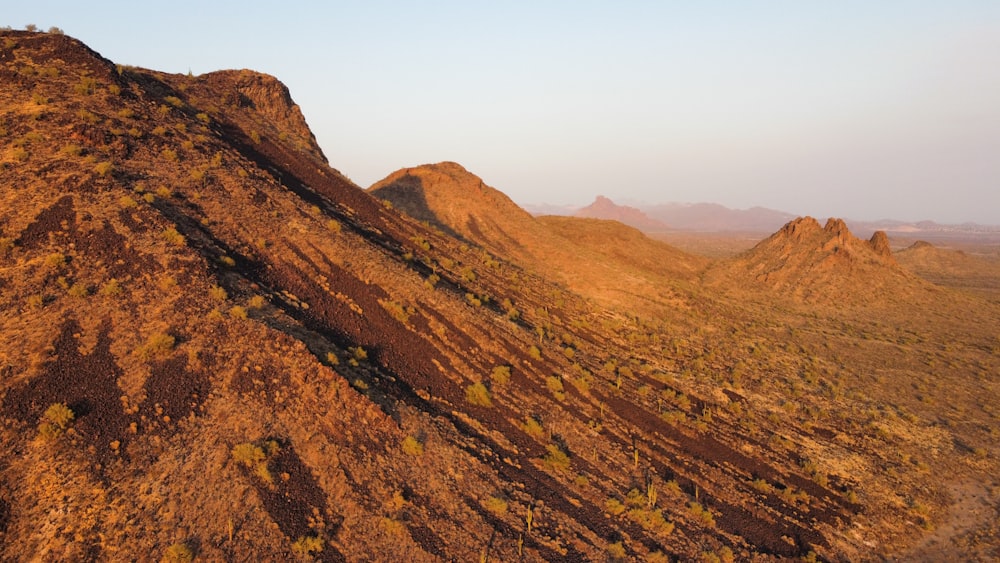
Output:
x=604 y=208
x=710 y=217
x=715 y=217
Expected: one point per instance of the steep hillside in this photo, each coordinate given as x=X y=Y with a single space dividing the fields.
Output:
x=604 y=260
x=215 y=345
x=604 y=208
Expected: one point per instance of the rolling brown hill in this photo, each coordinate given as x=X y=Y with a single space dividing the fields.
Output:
x=605 y=260
x=953 y=268
x=215 y=345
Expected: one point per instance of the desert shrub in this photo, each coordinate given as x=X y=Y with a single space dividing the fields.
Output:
x=39 y=99
x=173 y=237
x=555 y=385
x=477 y=394
x=535 y=353
x=412 y=447
x=332 y=359
x=307 y=545
x=702 y=514
x=556 y=458
x=256 y=302
x=19 y=154
x=157 y=345
x=614 y=506
x=218 y=293
x=657 y=557
x=86 y=86
x=500 y=375
x=227 y=261
x=78 y=289
x=254 y=458
x=203 y=117
x=255 y=137
x=616 y=551
x=55 y=261
x=55 y=420
x=111 y=287
x=87 y=116
x=238 y=312
x=358 y=352
x=177 y=553
x=398 y=312
x=533 y=428
x=333 y=225
x=473 y=300
x=174 y=101
x=169 y=155
x=496 y=505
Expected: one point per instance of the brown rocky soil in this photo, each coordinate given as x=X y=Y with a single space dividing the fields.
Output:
x=265 y=362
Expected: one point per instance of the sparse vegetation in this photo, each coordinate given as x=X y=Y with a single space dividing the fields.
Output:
x=413 y=447
x=55 y=421
x=173 y=237
x=178 y=553
x=159 y=344
x=477 y=394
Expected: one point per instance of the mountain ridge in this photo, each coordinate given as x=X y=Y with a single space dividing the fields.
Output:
x=217 y=346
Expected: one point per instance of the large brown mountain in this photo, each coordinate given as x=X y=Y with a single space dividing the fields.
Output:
x=216 y=345
x=602 y=259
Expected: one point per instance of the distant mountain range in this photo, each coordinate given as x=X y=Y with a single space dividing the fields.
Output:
x=712 y=217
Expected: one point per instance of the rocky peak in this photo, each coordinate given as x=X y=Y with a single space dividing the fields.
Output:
x=880 y=244
x=800 y=228
x=267 y=96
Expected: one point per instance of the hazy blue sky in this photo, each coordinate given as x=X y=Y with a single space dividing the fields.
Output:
x=862 y=109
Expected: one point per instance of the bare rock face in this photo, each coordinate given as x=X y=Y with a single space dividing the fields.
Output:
x=880 y=244
x=267 y=96
x=800 y=228
x=837 y=228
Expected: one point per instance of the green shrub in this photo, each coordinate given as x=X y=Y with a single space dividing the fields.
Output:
x=86 y=86
x=177 y=553
x=412 y=447
x=218 y=293
x=556 y=458
x=496 y=505
x=614 y=506
x=55 y=261
x=307 y=545
x=173 y=237
x=477 y=394
x=79 y=289
x=55 y=420
x=555 y=385
x=158 y=344
x=111 y=287
x=500 y=375
x=616 y=551
x=535 y=353
x=533 y=428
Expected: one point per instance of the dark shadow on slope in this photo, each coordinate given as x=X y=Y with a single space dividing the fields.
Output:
x=407 y=195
